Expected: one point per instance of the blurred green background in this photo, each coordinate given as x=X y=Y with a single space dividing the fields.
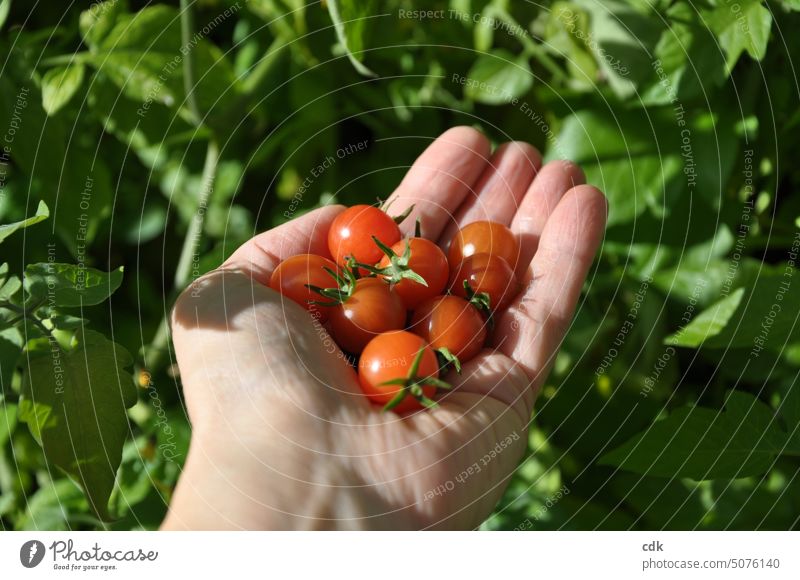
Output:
x=674 y=402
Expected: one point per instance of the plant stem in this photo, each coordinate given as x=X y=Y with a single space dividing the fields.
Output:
x=195 y=232
x=187 y=28
x=188 y=257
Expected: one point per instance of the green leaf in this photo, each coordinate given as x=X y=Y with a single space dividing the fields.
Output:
x=765 y=317
x=74 y=404
x=8 y=421
x=5 y=7
x=42 y=213
x=790 y=410
x=743 y=29
x=51 y=507
x=59 y=85
x=96 y=22
x=688 y=57
x=741 y=440
x=9 y=285
x=350 y=19
x=623 y=155
x=68 y=285
x=11 y=343
x=622 y=41
x=497 y=78
x=143 y=56
x=708 y=323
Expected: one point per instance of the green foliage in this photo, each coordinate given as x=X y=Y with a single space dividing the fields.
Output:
x=42 y=213
x=674 y=401
x=74 y=405
x=741 y=440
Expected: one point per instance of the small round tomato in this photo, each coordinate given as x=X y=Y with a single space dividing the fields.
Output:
x=484 y=238
x=352 y=230
x=292 y=275
x=389 y=357
x=372 y=308
x=486 y=273
x=425 y=259
x=453 y=323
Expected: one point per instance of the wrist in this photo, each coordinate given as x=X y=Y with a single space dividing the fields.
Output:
x=273 y=478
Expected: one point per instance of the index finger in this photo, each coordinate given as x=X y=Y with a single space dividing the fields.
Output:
x=440 y=179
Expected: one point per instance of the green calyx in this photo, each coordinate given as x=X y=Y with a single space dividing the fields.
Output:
x=384 y=207
x=412 y=386
x=481 y=301
x=345 y=286
x=398 y=268
x=447 y=359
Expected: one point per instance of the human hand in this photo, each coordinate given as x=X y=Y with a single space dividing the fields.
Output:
x=282 y=436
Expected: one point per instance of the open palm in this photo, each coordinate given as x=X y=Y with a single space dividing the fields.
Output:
x=281 y=436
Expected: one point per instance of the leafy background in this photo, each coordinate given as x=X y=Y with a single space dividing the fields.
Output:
x=137 y=155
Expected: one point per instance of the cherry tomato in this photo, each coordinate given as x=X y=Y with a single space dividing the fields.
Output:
x=486 y=273
x=484 y=238
x=453 y=323
x=352 y=230
x=371 y=309
x=426 y=260
x=291 y=276
x=390 y=356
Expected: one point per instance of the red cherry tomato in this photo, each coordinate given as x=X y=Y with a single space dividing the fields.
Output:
x=291 y=276
x=428 y=261
x=352 y=230
x=371 y=309
x=489 y=274
x=389 y=356
x=484 y=238
x=453 y=323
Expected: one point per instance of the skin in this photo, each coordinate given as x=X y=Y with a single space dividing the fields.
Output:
x=282 y=437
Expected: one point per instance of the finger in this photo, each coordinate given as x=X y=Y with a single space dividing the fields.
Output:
x=440 y=179
x=549 y=186
x=500 y=188
x=532 y=328
x=494 y=378
x=308 y=234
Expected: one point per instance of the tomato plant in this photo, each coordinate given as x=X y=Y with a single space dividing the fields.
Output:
x=699 y=175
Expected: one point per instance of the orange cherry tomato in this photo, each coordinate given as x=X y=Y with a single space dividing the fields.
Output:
x=484 y=238
x=352 y=230
x=453 y=323
x=427 y=260
x=486 y=273
x=292 y=275
x=390 y=356
x=371 y=309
